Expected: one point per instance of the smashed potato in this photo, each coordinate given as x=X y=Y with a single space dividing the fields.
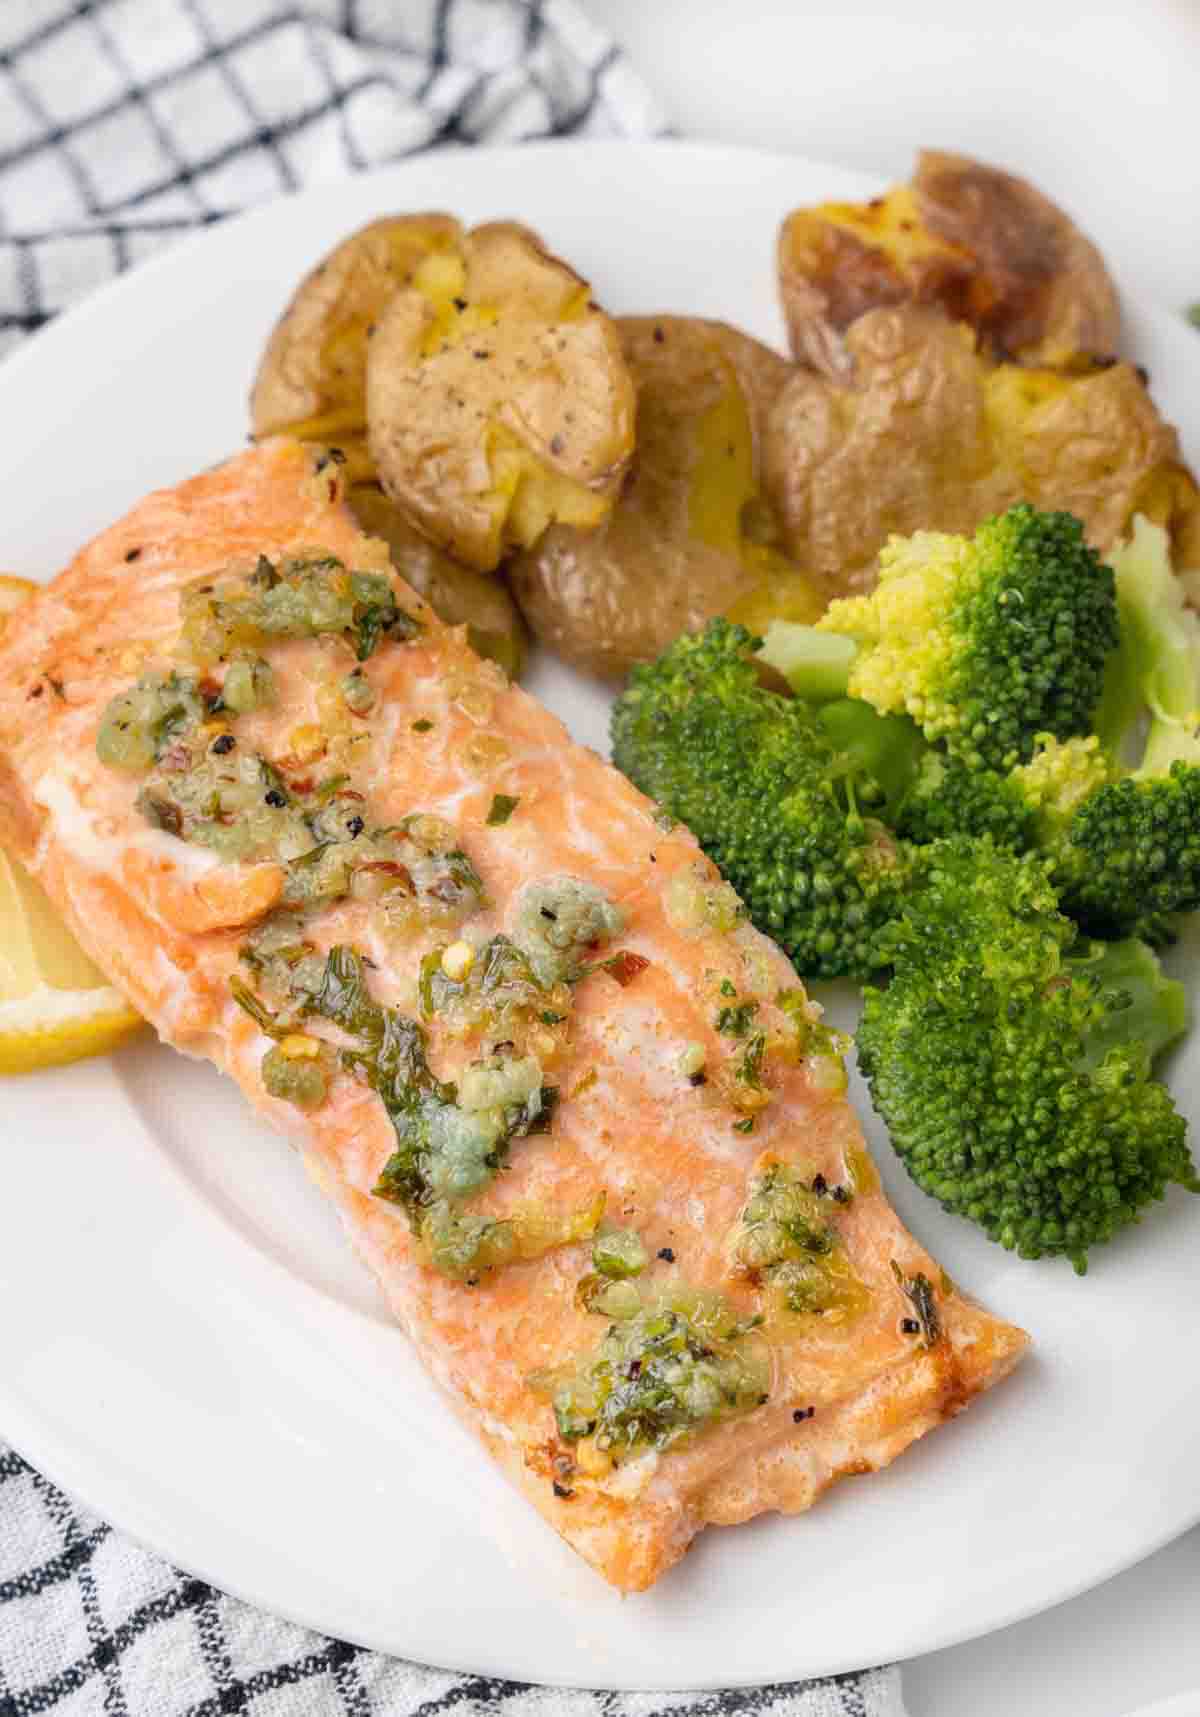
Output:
x=925 y=433
x=983 y=245
x=311 y=380
x=691 y=535
x=497 y=397
x=458 y=594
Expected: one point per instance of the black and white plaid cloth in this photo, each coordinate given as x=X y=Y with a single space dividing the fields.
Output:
x=124 y=123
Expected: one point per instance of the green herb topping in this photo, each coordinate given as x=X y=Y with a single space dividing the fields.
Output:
x=294 y=598
x=735 y=1021
x=502 y=808
x=668 y=1367
x=560 y=920
x=786 y=1241
x=918 y=1291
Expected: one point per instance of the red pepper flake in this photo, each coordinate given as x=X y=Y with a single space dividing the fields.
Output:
x=625 y=967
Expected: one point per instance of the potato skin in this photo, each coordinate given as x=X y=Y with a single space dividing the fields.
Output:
x=674 y=551
x=926 y=434
x=457 y=594
x=986 y=246
x=498 y=398
x=314 y=363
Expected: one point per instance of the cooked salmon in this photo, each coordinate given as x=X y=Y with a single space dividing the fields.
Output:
x=576 y=1115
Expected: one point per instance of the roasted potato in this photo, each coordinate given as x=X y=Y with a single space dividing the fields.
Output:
x=311 y=381
x=497 y=397
x=925 y=433
x=461 y=596
x=985 y=246
x=690 y=536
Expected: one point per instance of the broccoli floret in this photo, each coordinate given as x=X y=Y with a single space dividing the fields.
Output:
x=948 y=798
x=787 y=811
x=986 y=642
x=1127 y=851
x=1012 y=1065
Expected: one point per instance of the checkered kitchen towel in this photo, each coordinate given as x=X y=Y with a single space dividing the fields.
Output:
x=124 y=123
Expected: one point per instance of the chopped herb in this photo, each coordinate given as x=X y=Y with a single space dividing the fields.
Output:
x=503 y=806
x=727 y=988
x=735 y=1021
x=746 y=1126
x=549 y=1017
x=918 y=1291
x=749 y=1067
x=262 y=1016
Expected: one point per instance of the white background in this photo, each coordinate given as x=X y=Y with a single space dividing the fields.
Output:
x=1101 y=105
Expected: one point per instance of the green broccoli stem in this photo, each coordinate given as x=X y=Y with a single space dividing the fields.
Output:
x=815 y=664
x=886 y=749
x=1157 y=665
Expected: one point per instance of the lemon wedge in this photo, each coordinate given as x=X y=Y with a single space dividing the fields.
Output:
x=55 y=1005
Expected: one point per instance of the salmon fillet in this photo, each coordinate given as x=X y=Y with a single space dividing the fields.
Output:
x=673 y=1149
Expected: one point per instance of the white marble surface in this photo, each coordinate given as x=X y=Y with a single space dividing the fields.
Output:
x=1100 y=104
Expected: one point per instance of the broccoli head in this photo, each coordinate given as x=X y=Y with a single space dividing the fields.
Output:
x=1012 y=1065
x=986 y=642
x=785 y=807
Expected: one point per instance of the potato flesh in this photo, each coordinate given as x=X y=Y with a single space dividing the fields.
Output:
x=498 y=399
x=690 y=536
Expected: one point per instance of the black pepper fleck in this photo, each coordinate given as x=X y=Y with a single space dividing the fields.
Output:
x=800 y=1414
x=910 y=1326
x=224 y=743
x=132 y=553
x=820 y=1185
x=562 y=1490
x=841 y=1195
x=667 y=1254
x=355 y=827
x=659 y=336
x=700 y=1078
x=275 y=798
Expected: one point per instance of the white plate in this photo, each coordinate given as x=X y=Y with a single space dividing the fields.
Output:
x=185 y=1341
